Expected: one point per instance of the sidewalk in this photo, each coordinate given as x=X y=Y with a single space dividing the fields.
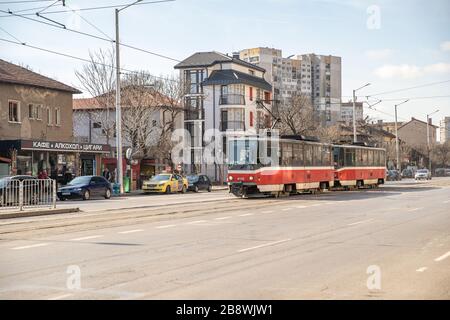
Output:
x=34 y=212
x=139 y=192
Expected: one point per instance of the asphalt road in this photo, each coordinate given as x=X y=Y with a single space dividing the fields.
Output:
x=387 y=243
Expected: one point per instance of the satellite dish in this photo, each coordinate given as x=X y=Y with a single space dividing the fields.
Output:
x=128 y=153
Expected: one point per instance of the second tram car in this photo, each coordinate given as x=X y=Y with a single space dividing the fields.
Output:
x=300 y=165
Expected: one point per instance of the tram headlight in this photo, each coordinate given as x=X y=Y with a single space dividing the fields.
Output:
x=230 y=178
x=250 y=178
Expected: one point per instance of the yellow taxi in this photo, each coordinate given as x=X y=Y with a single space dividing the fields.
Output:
x=165 y=183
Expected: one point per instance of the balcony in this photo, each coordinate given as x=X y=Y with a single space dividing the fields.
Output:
x=232 y=99
x=232 y=125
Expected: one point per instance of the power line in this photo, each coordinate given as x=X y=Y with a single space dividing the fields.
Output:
x=10 y=35
x=63 y=27
x=24 y=1
x=95 y=8
x=126 y=71
x=410 y=88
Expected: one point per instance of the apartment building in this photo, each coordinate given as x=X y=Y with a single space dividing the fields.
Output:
x=346 y=112
x=444 y=130
x=318 y=76
x=223 y=93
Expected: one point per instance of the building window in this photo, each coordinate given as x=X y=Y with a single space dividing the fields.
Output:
x=57 y=116
x=250 y=93
x=97 y=125
x=251 y=119
x=194 y=78
x=154 y=123
x=14 y=111
x=49 y=116
x=31 y=114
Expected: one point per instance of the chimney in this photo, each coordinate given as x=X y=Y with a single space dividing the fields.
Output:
x=380 y=122
x=430 y=121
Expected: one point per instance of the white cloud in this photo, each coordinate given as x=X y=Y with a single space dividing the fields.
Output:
x=407 y=71
x=379 y=54
x=445 y=46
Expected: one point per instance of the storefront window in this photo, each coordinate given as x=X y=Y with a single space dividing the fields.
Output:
x=24 y=164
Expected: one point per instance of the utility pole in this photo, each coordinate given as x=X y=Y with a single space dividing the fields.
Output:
x=119 y=177
x=355 y=139
x=428 y=139
x=397 y=147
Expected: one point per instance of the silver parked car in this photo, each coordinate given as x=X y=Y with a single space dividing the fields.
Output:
x=423 y=174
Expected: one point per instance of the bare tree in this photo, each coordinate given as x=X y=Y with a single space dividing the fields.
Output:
x=297 y=115
x=441 y=153
x=98 y=79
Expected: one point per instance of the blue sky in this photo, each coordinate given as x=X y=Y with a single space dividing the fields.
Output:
x=406 y=45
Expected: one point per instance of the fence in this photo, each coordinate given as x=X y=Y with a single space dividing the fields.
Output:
x=28 y=193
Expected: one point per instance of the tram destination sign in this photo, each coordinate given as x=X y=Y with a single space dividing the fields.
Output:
x=64 y=146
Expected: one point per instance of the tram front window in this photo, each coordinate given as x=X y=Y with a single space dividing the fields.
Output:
x=243 y=154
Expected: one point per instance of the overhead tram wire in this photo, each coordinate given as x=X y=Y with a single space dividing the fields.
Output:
x=409 y=88
x=12 y=36
x=123 y=70
x=23 y=1
x=63 y=27
x=96 y=8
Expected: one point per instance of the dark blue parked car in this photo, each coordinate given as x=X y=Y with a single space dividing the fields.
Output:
x=86 y=187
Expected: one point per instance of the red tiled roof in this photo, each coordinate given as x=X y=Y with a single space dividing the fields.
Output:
x=11 y=73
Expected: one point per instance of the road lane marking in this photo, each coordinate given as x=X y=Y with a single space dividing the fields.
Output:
x=264 y=245
x=86 y=238
x=166 y=226
x=223 y=218
x=197 y=221
x=414 y=209
x=422 y=269
x=359 y=222
x=301 y=207
x=246 y=215
x=268 y=211
x=131 y=231
x=444 y=256
x=31 y=246
x=315 y=205
x=61 y=296
x=447 y=201
x=286 y=209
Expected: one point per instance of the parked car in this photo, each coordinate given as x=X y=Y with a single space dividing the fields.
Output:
x=86 y=187
x=393 y=175
x=423 y=174
x=199 y=182
x=442 y=172
x=408 y=173
x=165 y=183
x=9 y=190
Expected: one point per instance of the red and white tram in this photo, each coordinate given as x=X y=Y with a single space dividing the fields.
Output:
x=300 y=165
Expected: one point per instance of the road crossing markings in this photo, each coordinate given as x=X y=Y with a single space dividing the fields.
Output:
x=359 y=222
x=264 y=245
x=443 y=257
x=31 y=246
x=86 y=238
x=166 y=226
x=131 y=231
x=422 y=269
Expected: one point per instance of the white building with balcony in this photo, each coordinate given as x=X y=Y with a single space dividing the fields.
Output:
x=223 y=93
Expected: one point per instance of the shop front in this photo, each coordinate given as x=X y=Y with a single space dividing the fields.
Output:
x=61 y=161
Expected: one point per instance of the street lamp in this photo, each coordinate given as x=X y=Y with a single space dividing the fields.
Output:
x=119 y=177
x=354 y=111
x=397 y=150
x=428 y=137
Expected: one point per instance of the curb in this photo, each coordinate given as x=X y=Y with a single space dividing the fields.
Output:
x=25 y=214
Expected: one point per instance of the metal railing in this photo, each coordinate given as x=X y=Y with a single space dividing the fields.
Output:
x=232 y=125
x=232 y=99
x=29 y=193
